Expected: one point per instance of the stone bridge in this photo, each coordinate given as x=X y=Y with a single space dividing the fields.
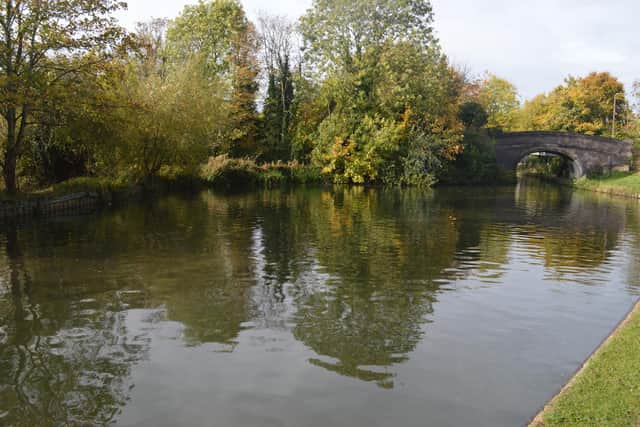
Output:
x=586 y=153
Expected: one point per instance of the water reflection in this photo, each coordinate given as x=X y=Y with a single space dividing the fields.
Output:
x=354 y=275
x=64 y=359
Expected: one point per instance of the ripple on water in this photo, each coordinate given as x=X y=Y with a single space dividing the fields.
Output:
x=397 y=308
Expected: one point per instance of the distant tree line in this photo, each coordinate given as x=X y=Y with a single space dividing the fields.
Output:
x=359 y=90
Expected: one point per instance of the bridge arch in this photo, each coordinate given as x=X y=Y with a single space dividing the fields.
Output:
x=586 y=153
x=576 y=170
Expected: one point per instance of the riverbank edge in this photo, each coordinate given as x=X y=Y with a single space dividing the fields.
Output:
x=84 y=195
x=90 y=194
x=594 y=359
x=596 y=185
x=600 y=185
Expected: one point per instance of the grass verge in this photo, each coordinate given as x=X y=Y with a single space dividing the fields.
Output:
x=625 y=184
x=606 y=391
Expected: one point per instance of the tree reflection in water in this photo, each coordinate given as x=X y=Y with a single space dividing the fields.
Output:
x=63 y=361
x=353 y=274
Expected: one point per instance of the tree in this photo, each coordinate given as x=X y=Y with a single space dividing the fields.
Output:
x=387 y=96
x=534 y=114
x=219 y=35
x=46 y=45
x=580 y=105
x=171 y=120
x=278 y=115
x=589 y=103
x=206 y=30
x=75 y=133
x=243 y=123
x=633 y=128
x=472 y=114
x=151 y=38
x=338 y=33
x=635 y=92
x=499 y=97
x=276 y=36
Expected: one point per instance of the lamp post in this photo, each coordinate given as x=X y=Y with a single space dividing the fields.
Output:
x=613 y=124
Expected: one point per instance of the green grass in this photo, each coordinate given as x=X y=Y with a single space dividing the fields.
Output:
x=99 y=186
x=105 y=189
x=606 y=393
x=227 y=172
x=619 y=183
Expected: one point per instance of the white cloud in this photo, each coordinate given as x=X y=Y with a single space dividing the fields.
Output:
x=537 y=43
x=533 y=43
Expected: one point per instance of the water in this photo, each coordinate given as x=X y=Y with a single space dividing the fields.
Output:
x=343 y=307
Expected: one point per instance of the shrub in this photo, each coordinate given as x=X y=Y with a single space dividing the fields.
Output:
x=225 y=172
x=306 y=174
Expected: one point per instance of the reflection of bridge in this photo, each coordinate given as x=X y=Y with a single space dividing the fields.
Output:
x=586 y=153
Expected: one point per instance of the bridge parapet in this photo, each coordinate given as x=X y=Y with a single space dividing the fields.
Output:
x=588 y=153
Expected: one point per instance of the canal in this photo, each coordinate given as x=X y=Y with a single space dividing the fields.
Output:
x=312 y=307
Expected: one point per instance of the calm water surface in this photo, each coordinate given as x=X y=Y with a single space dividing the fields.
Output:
x=343 y=307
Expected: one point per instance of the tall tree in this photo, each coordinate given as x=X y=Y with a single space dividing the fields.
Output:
x=218 y=34
x=207 y=30
x=45 y=45
x=633 y=128
x=171 y=121
x=389 y=96
x=276 y=35
x=499 y=97
x=339 y=32
x=243 y=123
x=151 y=37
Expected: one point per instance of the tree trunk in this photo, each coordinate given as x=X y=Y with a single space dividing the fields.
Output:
x=10 y=155
x=10 y=161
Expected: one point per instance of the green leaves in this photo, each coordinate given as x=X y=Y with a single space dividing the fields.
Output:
x=338 y=33
x=208 y=31
x=581 y=105
x=173 y=119
x=499 y=97
x=390 y=94
x=48 y=46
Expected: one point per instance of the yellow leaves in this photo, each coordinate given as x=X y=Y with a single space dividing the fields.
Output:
x=406 y=116
x=582 y=105
x=500 y=100
x=339 y=153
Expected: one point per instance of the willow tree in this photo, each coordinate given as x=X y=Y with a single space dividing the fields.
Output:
x=45 y=45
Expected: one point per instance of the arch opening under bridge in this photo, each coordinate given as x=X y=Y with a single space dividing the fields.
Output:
x=583 y=154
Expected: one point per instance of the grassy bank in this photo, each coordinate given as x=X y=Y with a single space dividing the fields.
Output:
x=225 y=173
x=104 y=188
x=625 y=184
x=219 y=172
x=606 y=392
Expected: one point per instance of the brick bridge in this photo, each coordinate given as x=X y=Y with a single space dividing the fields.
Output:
x=586 y=153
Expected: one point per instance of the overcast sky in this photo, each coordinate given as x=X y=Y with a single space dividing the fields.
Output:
x=533 y=43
